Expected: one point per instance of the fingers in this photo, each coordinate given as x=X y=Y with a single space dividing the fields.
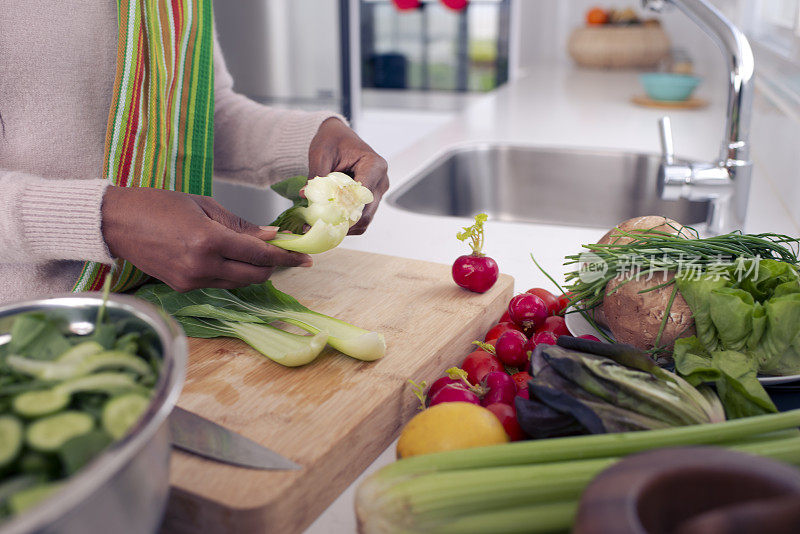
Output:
x=372 y=172
x=216 y=212
x=251 y=250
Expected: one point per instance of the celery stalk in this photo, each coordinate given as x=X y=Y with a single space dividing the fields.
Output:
x=593 y=446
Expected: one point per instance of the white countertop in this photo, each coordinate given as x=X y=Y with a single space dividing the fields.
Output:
x=551 y=106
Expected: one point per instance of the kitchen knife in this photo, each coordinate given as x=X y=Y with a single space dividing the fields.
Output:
x=198 y=435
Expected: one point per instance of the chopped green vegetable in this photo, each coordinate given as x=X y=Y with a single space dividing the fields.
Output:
x=80 y=450
x=49 y=433
x=27 y=498
x=42 y=402
x=10 y=439
x=57 y=383
x=122 y=412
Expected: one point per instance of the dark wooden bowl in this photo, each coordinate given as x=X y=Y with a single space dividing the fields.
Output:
x=692 y=490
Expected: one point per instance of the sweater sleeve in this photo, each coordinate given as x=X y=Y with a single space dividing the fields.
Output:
x=45 y=219
x=256 y=144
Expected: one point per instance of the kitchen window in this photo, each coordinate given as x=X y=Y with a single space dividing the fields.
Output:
x=434 y=48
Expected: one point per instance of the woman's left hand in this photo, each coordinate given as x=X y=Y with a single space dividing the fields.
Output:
x=336 y=147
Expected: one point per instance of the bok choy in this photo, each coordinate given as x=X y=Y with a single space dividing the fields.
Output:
x=330 y=205
x=245 y=313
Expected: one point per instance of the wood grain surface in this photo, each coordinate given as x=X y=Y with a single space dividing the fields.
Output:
x=335 y=415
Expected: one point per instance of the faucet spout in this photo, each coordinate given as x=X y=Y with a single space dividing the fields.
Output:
x=734 y=158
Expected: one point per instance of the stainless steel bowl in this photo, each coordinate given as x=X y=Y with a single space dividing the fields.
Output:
x=123 y=490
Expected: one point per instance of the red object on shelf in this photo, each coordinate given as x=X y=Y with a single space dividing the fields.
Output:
x=404 y=5
x=456 y=5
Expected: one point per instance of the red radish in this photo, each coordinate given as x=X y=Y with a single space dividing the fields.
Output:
x=590 y=337
x=507 y=415
x=440 y=383
x=476 y=272
x=563 y=303
x=454 y=393
x=501 y=388
x=550 y=300
x=545 y=337
x=478 y=363
x=510 y=348
x=527 y=310
x=556 y=325
x=520 y=379
x=495 y=331
x=505 y=318
x=524 y=393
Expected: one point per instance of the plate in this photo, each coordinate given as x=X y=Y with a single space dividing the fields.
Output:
x=579 y=326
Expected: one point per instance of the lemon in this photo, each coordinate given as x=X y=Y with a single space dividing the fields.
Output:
x=449 y=426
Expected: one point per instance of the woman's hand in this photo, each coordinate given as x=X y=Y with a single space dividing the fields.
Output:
x=336 y=147
x=189 y=241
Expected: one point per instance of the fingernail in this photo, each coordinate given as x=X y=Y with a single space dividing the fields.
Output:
x=307 y=263
x=269 y=228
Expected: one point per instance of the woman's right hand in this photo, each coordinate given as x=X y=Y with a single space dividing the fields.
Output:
x=189 y=241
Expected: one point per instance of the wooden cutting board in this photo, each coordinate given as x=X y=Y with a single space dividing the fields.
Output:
x=335 y=415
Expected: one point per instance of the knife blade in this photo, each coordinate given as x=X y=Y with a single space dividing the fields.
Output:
x=198 y=435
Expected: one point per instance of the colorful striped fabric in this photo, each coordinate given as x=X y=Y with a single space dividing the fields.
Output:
x=161 y=122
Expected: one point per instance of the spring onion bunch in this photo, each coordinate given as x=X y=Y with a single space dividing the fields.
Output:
x=655 y=252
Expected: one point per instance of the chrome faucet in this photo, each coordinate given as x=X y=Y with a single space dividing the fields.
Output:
x=726 y=182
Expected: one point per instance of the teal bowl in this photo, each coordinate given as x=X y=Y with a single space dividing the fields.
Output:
x=667 y=86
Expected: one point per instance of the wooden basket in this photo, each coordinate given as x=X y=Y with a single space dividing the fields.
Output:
x=619 y=47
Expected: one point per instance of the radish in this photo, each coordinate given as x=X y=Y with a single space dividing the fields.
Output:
x=476 y=272
x=454 y=393
x=510 y=348
x=521 y=379
x=590 y=337
x=495 y=331
x=507 y=415
x=556 y=325
x=440 y=383
x=501 y=388
x=478 y=364
x=527 y=310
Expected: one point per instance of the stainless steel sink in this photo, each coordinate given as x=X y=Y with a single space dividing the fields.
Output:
x=543 y=185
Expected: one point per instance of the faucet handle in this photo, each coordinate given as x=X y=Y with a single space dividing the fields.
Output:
x=665 y=131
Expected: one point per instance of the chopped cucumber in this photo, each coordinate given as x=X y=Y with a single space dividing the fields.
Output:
x=115 y=359
x=79 y=364
x=10 y=439
x=50 y=433
x=38 y=403
x=22 y=500
x=122 y=412
x=16 y=484
x=41 y=369
x=111 y=383
x=79 y=352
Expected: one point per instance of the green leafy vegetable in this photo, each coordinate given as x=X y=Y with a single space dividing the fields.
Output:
x=330 y=205
x=754 y=308
x=214 y=312
x=733 y=373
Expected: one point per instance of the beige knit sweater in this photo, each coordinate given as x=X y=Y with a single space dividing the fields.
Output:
x=57 y=65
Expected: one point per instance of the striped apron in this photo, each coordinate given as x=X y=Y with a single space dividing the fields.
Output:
x=161 y=122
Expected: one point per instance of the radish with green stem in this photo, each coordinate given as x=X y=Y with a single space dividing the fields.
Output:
x=476 y=272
